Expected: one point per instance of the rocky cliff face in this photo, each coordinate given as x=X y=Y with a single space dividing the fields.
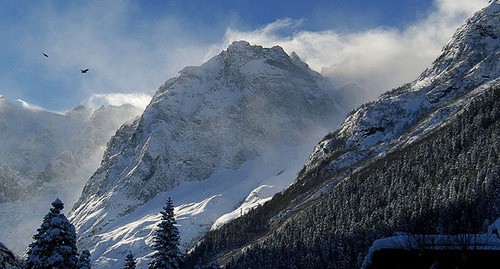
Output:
x=245 y=104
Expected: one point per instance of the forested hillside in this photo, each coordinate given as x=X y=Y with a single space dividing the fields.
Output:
x=446 y=183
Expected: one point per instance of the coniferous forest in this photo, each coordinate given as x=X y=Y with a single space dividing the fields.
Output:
x=445 y=184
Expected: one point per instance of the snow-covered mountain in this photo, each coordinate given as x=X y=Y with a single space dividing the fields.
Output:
x=335 y=204
x=468 y=65
x=47 y=155
x=219 y=139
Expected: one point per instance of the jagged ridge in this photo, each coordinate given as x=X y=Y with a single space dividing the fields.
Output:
x=245 y=103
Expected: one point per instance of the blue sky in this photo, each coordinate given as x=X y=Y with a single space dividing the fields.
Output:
x=134 y=46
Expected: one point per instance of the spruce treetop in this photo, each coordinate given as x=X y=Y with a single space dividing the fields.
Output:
x=57 y=206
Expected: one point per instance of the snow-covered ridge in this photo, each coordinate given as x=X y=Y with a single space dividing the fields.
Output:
x=470 y=59
x=219 y=122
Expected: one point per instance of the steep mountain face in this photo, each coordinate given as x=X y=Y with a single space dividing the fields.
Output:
x=47 y=155
x=470 y=59
x=201 y=140
x=422 y=158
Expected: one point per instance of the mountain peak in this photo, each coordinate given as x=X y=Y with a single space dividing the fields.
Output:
x=243 y=51
x=244 y=46
x=239 y=45
x=246 y=105
x=244 y=80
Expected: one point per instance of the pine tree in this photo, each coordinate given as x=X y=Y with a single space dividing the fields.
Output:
x=130 y=262
x=84 y=260
x=54 y=245
x=166 y=241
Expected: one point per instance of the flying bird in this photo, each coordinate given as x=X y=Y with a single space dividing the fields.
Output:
x=45 y=54
x=84 y=70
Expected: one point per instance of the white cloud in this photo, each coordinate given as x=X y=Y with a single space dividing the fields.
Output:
x=378 y=59
x=140 y=100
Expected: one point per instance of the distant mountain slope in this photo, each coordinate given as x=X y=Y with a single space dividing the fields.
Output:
x=47 y=155
x=41 y=145
x=203 y=140
x=424 y=156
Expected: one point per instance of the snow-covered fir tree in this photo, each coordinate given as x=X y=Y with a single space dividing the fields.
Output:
x=84 y=260
x=130 y=262
x=54 y=244
x=166 y=241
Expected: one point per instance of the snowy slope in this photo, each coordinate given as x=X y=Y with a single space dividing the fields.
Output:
x=47 y=155
x=209 y=137
x=468 y=65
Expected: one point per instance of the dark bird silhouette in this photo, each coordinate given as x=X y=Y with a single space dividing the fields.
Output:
x=85 y=70
x=45 y=54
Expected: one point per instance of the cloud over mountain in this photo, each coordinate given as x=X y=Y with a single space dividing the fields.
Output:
x=377 y=59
